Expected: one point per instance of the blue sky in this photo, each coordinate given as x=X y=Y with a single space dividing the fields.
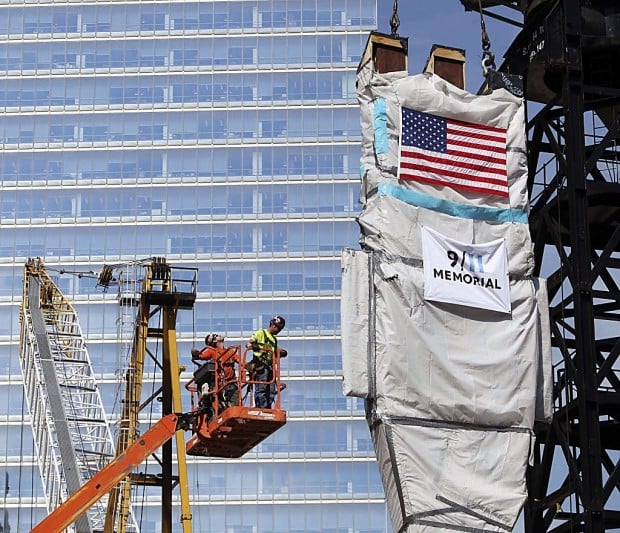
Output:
x=429 y=22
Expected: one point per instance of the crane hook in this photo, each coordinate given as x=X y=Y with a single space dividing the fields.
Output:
x=488 y=63
x=488 y=57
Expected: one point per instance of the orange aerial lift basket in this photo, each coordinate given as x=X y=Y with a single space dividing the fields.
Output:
x=223 y=421
x=226 y=421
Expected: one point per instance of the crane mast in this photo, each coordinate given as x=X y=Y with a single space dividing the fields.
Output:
x=164 y=291
x=70 y=429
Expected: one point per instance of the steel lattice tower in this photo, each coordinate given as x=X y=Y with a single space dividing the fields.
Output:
x=71 y=432
x=568 y=53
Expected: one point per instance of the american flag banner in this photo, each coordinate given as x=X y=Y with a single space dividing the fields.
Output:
x=451 y=153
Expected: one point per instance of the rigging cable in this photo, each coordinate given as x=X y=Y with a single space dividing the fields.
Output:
x=488 y=57
x=193 y=326
x=394 y=20
x=194 y=463
x=34 y=464
x=7 y=436
x=151 y=411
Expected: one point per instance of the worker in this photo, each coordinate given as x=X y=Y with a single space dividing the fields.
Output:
x=264 y=345
x=204 y=376
x=228 y=358
x=222 y=361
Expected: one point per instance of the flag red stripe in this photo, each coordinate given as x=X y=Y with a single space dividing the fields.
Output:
x=479 y=157
x=464 y=144
x=452 y=174
x=472 y=188
x=470 y=164
x=477 y=126
x=476 y=135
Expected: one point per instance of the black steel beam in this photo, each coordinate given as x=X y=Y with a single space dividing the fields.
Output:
x=575 y=220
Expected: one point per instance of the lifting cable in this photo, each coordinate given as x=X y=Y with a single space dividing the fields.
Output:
x=193 y=326
x=394 y=20
x=488 y=57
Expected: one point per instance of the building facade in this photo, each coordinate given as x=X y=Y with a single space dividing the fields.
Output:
x=223 y=135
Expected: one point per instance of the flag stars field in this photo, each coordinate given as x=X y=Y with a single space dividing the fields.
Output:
x=451 y=153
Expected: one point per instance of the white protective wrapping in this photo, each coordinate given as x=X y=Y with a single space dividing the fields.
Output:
x=383 y=229
x=381 y=102
x=544 y=392
x=458 y=390
x=441 y=478
x=355 y=334
x=453 y=363
x=478 y=218
x=453 y=390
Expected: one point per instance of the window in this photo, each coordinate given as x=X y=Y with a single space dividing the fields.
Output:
x=152 y=21
x=240 y=201
x=241 y=163
x=147 y=133
x=273 y=128
x=282 y=282
x=59 y=60
x=62 y=133
x=274 y=202
x=26 y=136
x=121 y=170
x=275 y=238
x=184 y=92
x=309 y=87
x=29 y=61
x=324 y=18
x=95 y=133
x=185 y=57
x=235 y=16
x=309 y=17
x=64 y=22
x=206 y=21
x=238 y=55
x=239 y=280
x=220 y=21
x=219 y=91
x=324 y=50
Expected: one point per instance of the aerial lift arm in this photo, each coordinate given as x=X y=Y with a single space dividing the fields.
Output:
x=102 y=482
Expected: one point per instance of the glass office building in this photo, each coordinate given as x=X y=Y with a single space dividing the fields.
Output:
x=223 y=135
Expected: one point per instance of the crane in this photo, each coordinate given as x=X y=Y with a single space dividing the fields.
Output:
x=71 y=433
x=217 y=430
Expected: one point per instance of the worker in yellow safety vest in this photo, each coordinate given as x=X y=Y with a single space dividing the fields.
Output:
x=264 y=345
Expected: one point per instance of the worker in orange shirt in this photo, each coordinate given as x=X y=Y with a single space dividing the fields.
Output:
x=226 y=359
